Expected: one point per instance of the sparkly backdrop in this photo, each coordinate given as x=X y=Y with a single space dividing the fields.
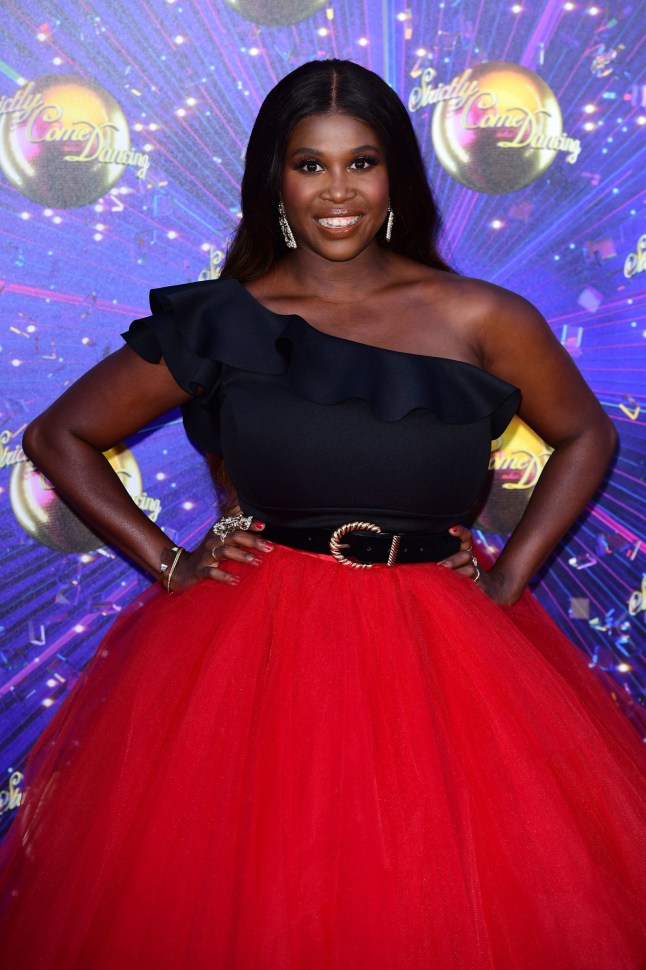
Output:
x=122 y=134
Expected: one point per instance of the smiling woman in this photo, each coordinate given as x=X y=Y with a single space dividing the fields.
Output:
x=347 y=92
x=335 y=191
x=387 y=763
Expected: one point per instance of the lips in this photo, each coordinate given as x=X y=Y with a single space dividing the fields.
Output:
x=338 y=222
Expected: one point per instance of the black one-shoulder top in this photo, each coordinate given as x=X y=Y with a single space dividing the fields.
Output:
x=319 y=430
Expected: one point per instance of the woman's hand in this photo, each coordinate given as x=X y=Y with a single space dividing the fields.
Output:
x=208 y=560
x=462 y=560
x=491 y=582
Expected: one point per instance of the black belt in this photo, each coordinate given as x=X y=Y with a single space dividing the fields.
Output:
x=364 y=544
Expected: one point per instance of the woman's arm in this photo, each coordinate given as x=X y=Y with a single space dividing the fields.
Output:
x=518 y=346
x=117 y=398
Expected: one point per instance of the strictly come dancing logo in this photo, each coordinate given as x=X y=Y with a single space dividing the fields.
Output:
x=48 y=519
x=65 y=141
x=496 y=126
x=517 y=459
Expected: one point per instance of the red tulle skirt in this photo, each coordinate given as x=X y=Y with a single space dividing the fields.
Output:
x=331 y=769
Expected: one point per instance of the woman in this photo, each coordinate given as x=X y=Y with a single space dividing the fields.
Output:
x=312 y=764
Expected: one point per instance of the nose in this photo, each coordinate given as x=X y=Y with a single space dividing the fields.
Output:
x=338 y=185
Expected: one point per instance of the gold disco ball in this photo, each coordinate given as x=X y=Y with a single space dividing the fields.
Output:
x=276 y=13
x=58 y=146
x=490 y=139
x=46 y=518
x=517 y=460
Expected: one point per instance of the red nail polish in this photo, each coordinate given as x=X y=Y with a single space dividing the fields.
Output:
x=259 y=525
x=453 y=530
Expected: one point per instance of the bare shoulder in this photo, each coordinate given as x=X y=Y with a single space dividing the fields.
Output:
x=509 y=338
x=504 y=326
x=507 y=327
x=478 y=302
x=476 y=316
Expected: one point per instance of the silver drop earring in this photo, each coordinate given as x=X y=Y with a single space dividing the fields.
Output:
x=389 y=224
x=288 y=235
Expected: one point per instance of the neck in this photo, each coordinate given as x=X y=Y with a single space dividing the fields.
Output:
x=322 y=278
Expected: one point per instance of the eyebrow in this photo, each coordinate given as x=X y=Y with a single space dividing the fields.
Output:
x=353 y=151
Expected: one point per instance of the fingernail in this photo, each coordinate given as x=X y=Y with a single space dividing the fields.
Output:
x=255 y=561
x=233 y=580
x=259 y=525
x=447 y=564
x=453 y=530
x=267 y=546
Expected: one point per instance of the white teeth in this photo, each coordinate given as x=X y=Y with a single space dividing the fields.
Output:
x=339 y=222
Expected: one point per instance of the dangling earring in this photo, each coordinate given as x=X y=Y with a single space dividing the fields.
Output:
x=288 y=235
x=389 y=224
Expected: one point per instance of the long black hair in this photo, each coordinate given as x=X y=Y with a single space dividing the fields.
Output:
x=324 y=87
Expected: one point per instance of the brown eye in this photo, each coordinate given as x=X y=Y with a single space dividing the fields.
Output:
x=309 y=165
x=364 y=162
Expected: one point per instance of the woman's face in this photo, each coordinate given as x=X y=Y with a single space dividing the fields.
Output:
x=335 y=185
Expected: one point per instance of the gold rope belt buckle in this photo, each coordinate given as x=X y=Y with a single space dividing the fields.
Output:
x=336 y=545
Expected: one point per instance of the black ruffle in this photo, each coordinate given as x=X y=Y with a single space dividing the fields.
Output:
x=329 y=370
x=198 y=327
